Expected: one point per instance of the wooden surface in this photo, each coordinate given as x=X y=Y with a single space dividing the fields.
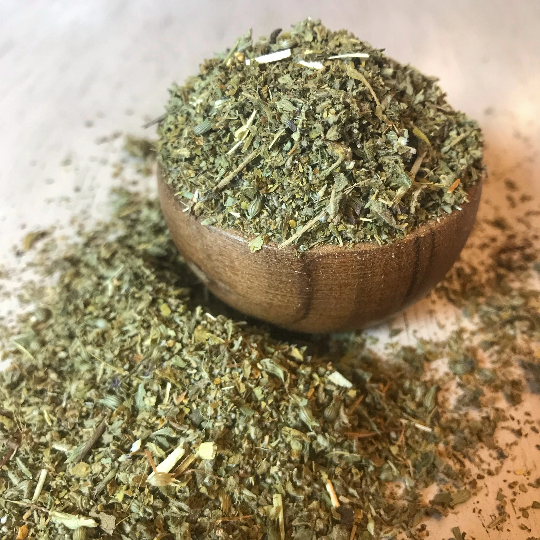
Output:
x=328 y=288
x=72 y=73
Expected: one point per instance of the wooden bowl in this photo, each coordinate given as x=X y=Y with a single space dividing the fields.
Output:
x=328 y=288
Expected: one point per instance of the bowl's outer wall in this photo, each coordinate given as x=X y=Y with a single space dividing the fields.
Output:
x=328 y=288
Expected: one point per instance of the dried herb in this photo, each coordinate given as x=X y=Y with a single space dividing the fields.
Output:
x=136 y=407
x=312 y=136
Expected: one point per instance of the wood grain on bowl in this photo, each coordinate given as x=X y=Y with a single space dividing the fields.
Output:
x=328 y=288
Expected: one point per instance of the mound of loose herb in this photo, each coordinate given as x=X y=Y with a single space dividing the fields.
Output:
x=312 y=136
x=134 y=406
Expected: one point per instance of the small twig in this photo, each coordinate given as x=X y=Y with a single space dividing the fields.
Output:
x=353 y=532
x=332 y=493
x=226 y=181
x=242 y=131
x=235 y=147
x=454 y=185
x=354 y=405
x=168 y=387
x=103 y=484
x=28 y=505
x=401 y=439
x=59 y=517
x=497 y=521
x=360 y=434
x=421 y=427
x=304 y=229
x=40 y=484
x=258 y=100
x=277 y=501
x=98 y=432
x=150 y=460
x=458 y=139
x=177 y=401
x=22 y=349
x=184 y=465
x=355 y=74
x=332 y=207
x=235 y=518
x=293 y=150
x=326 y=172
x=155 y=121
x=416 y=166
x=278 y=135
x=374 y=427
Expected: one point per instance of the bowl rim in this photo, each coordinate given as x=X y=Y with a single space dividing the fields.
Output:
x=426 y=228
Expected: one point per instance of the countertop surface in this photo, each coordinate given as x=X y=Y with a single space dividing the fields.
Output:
x=74 y=73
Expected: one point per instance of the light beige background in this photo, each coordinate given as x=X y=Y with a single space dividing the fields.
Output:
x=74 y=71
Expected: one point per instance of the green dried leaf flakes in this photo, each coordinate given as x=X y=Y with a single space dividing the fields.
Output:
x=256 y=244
x=263 y=144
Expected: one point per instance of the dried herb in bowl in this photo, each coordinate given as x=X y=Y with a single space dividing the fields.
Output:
x=311 y=136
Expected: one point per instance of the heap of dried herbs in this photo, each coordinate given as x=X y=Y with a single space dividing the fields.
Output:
x=312 y=136
x=135 y=407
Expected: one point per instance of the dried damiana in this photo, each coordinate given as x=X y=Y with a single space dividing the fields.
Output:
x=127 y=361
x=312 y=136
